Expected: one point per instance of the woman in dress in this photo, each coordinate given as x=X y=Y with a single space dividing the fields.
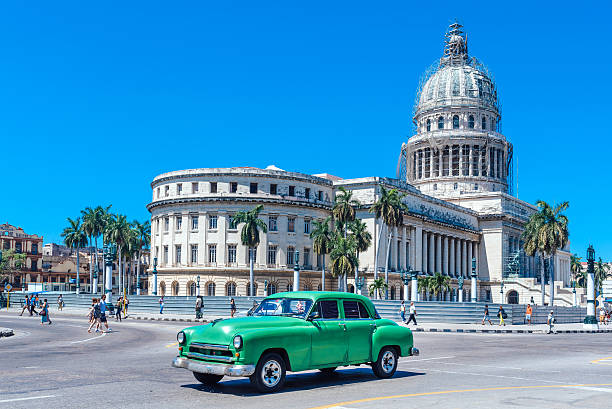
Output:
x=44 y=313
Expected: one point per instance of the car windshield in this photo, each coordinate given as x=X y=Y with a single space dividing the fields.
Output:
x=290 y=307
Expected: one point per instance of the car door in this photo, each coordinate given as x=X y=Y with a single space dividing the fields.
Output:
x=329 y=346
x=359 y=328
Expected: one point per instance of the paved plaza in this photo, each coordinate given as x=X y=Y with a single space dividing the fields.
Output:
x=63 y=365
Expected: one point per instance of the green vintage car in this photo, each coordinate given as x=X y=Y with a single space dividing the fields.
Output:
x=294 y=331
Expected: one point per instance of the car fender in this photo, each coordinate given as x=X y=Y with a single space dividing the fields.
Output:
x=389 y=333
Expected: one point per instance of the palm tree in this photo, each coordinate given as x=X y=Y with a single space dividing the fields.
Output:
x=89 y=226
x=602 y=272
x=363 y=239
x=143 y=234
x=75 y=238
x=390 y=209
x=11 y=263
x=343 y=211
x=575 y=266
x=321 y=242
x=118 y=232
x=343 y=257
x=104 y=218
x=378 y=286
x=439 y=283
x=424 y=283
x=546 y=232
x=249 y=236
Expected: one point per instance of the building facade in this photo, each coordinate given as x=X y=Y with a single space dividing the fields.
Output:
x=14 y=238
x=456 y=177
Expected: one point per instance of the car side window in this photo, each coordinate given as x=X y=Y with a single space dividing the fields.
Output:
x=363 y=312
x=351 y=309
x=328 y=309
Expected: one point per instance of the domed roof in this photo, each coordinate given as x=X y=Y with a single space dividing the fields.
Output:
x=457 y=79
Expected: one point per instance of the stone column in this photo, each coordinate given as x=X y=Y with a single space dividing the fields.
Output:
x=465 y=263
x=445 y=256
x=438 y=253
x=431 y=164
x=469 y=253
x=417 y=234
x=424 y=266
x=452 y=258
x=458 y=256
x=402 y=257
x=431 y=253
x=471 y=161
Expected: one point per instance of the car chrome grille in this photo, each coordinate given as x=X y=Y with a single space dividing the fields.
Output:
x=204 y=351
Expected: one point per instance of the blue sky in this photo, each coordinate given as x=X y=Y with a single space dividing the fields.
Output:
x=97 y=99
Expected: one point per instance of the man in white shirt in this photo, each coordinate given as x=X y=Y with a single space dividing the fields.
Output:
x=412 y=313
x=551 y=322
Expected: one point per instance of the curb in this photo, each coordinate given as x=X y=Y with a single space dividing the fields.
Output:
x=510 y=331
x=169 y=319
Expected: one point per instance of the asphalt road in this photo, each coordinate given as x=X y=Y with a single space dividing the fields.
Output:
x=63 y=366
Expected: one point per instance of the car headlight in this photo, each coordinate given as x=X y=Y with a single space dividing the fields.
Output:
x=180 y=337
x=237 y=342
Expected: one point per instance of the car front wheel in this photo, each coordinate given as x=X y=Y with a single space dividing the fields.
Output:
x=269 y=373
x=207 y=379
x=386 y=364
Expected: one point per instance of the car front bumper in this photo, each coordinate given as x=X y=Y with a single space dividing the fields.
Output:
x=213 y=369
x=414 y=351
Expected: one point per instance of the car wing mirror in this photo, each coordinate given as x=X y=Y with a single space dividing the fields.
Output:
x=313 y=316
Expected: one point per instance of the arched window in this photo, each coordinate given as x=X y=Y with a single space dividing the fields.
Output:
x=248 y=289
x=306 y=287
x=392 y=292
x=271 y=288
x=319 y=287
x=428 y=125
x=513 y=297
x=351 y=288
x=210 y=289
x=289 y=287
x=492 y=124
x=192 y=288
x=162 y=288
x=441 y=123
x=456 y=122
x=484 y=123
x=471 y=122
x=230 y=289
x=175 y=288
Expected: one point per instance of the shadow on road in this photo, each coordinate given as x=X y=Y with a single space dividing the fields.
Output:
x=299 y=381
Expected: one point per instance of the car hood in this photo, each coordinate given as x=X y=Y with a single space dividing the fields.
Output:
x=222 y=331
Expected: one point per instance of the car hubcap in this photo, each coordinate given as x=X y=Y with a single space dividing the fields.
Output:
x=388 y=361
x=271 y=373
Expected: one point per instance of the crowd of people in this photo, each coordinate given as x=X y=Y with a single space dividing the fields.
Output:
x=30 y=303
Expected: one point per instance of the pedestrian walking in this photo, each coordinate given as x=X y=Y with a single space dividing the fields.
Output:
x=103 y=308
x=486 y=315
x=26 y=305
x=528 y=312
x=60 y=302
x=232 y=308
x=413 y=313
x=94 y=315
x=126 y=304
x=551 y=323
x=532 y=302
x=198 y=307
x=501 y=314
x=44 y=313
x=602 y=315
x=402 y=311
x=161 y=305
x=119 y=306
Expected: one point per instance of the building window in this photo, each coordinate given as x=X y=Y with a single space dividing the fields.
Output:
x=212 y=253
x=248 y=289
x=213 y=187
x=233 y=187
x=456 y=122
x=455 y=186
x=290 y=255
x=158 y=193
x=272 y=255
x=289 y=287
x=166 y=223
x=428 y=125
x=492 y=124
x=484 y=123
x=471 y=122
x=167 y=191
x=165 y=254
x=34 y=248
x=307 y=193
x=231 y=253
x=230 y=289
x=435 y=186
x=192 y=288
x=475 y=186
x=273 y=188
x=231 y=223
x=306 y=258
x=179 y=188
x=195 y=188
x=441 y=123
x=177 y=249
x=179 y=222
x=253 y=188
x=175 y=288
x=272 y=223
x=306 y=226
x=210 y=289
x=271 y=288
x=194 y=253
x=291 y=224
x=320 y=195
x=195 y=221
x=212 y=222
x=291 y=190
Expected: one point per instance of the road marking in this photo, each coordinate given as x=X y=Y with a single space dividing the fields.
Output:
x=500 y=388
x=30 y=398
x=172 y=345
x=591 y=388
x=89 y=339
x=484 y=374
x=603 y=361
x=30 y=367
x=427 y=359
x=499 y=367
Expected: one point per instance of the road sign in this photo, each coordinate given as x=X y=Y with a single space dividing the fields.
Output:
x=8 y=287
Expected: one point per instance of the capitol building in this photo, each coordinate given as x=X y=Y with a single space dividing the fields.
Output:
x=456 y=172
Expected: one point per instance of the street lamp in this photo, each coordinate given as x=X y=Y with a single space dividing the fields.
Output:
x=198 y=286
x=296 y=272
x=460 y=284
x=501 y=291
x=474 y=276
x=360 y=284
x=574 y=292
x=405 y=275
x=154 y=275
x=590 y=322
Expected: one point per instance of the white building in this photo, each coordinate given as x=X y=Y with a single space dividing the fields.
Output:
x=456 y=175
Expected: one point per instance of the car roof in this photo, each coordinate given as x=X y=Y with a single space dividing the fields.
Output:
x=315 y=295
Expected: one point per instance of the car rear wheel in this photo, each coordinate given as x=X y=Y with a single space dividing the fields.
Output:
x=207 y=379
x=270 y=373
x=386 y=364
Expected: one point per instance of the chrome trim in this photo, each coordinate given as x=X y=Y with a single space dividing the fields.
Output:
x=213 y=357
x=414 y=351
x=216 y=347
x=213 y=369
